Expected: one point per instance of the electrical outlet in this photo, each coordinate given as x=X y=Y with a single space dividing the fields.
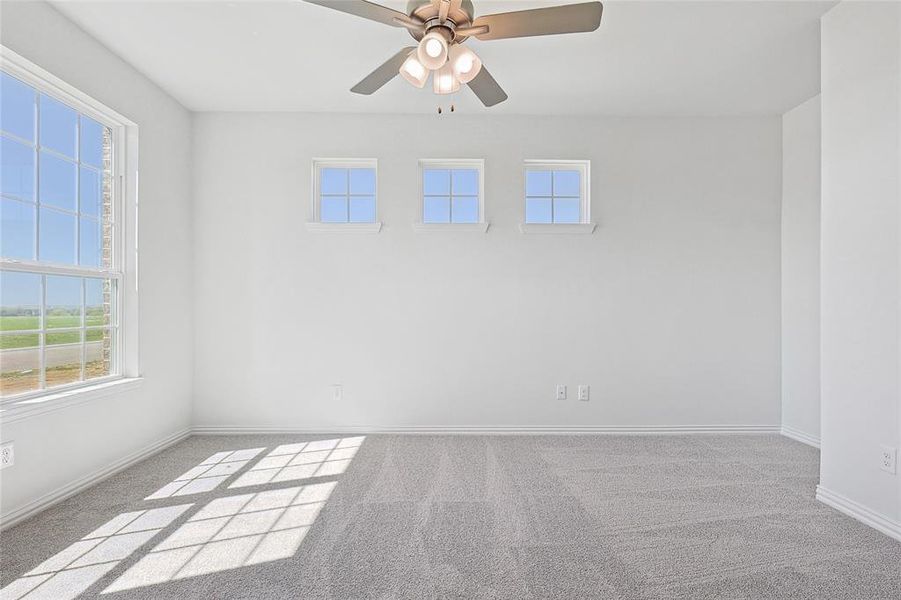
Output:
x=583 y=393
x=888 y=458
x=7 y=455
x=561 y=391
x=337 y=392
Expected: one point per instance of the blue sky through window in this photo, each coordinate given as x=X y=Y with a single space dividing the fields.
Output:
x=347 y=195
x=45 y=145
x=553 y=196
x=450 y=196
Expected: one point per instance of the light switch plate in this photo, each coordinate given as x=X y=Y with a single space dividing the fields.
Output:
x=561 y=391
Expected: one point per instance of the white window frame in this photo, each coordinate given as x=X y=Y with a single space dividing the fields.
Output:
x=481 y=226
x=124 y=190
x=315 y=224
x=584 y=167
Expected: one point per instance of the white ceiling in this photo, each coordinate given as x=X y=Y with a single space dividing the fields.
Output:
x=648 y=58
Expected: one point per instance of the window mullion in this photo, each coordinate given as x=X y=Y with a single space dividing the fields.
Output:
x=347 y=196
x=553 y=216
x=42 y=337
x=84 y=319
x=36 y=246
x=78 y=193
x=450 y=197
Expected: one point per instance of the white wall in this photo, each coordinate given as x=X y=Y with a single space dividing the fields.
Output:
x=670 y=311
x=801 y=271
x=55 y=449
x=861 y=247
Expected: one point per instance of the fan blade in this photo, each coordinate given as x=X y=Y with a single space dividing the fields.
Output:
x=411 y=24
x=487 y=89
x=468 y=31
x=571 y=18
x=367 y=10
x=443 y=7
x=382 y=75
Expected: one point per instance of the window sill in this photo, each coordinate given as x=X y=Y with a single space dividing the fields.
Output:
x=557 y=228
x=461 y=227
x=318 y=227
x=15 y=410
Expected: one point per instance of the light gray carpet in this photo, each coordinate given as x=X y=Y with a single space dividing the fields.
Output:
x=704 y=516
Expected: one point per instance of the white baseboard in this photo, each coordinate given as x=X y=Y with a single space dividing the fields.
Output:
x=800 y=436
x=512 y=430
x=21 y=513
x=859 y=512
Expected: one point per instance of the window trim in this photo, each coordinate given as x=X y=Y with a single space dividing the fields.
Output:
x=585 y=225
x=125 y=203
x=480 y=226
x=315 y=223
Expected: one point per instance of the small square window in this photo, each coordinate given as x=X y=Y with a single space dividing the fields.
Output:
x=452 y=191
x=557 y=192
x=344 y=191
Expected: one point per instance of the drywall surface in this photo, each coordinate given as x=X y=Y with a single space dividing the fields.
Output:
x=669 y=311
x=801 y=269
x=57 y=448
x=861 y=243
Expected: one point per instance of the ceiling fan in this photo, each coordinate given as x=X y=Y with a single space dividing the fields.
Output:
x=442 y=26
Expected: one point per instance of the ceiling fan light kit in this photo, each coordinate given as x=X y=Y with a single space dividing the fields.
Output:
x=465 y=63
x=444 y=81
x=432 y=50
x=442 y=26
x=414 y=71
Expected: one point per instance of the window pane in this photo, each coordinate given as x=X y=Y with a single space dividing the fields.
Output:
x=90 y=192
x=333 y=209
x=59 y=126
x=20 y=363
x=465 y=209
x=362 y=209
x=16 y=107
x=333 y=181
x=89 y=243
x=17 y=174
x=57 y=237
x=90 y=142
x=567 y=183
x=58 y=178
x=465 y=182
x=99 y=352
x=538 y=210
x=98 y=295
x=17 y=229
x=538 y=183
x=62 y=357
x=436 y=209
x=63 y=298
x=362 y=182
x=20 y=301
x=566 y=210
x=435 y=182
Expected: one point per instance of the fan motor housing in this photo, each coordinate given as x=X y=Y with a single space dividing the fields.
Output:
x=426 y=11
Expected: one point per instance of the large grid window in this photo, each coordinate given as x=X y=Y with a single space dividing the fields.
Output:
x=452 y=191
x=556 y=192
x=345 y=191
x=59 y=282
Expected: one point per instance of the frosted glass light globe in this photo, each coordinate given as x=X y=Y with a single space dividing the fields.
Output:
x=432 y=51
x=465 y=63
